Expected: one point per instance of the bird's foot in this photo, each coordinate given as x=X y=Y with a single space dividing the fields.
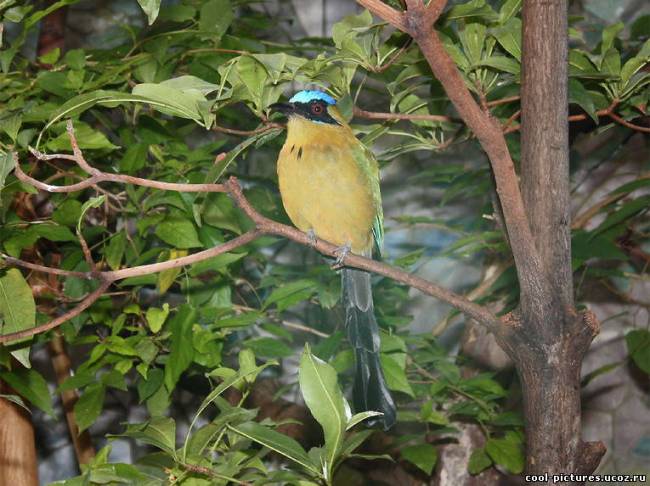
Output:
x=311 y=234
x=341 y=253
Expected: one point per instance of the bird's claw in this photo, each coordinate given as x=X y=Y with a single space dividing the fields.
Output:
x=341 y=253
x=311 y=235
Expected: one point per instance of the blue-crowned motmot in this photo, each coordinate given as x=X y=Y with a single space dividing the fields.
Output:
x=329 y=182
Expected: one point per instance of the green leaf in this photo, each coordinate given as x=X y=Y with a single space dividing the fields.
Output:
x=159 y=432
x=171 y=101
x=149 y=386
x=502 y=63
x=320 y=389
x=167 y=277
x=15 y=399
x=177 y=13
x=291 y=293
x=214 y=394
x=478 y=461
x=509 y=36
x=428 y=414
x=151 y=9
x=508 y=10
x=581 y=97
x=115 y=250
x=638 y=347
x=472 y=37
x=7 y=164
x=424 y=456
x=631 y=67
x=190 y=83
x=609 y=35
x=18 y=311
x=178 y=232
x=254 y=75
x=360 y=417
x=11 y=126
x=640 y=27
x=15 y=14
x=89 y=405
x=52 y=232
x=269 y=347
x=611 y=63
x=277 y=442
x=88 y=138
x=603 y=370
x=507 y=452
x=585 y=245
x=134 y=159
x=156 y=317
x=394 y=366
x=93 y=202
x=67 y=213
x=353 y=441
x=626 y=211
x=182 y=350
x=51 y=56
x=215 y=17
x=75 y=59
x=81 y=103
x=580 y=65
x=474 y=8
x=31 y=386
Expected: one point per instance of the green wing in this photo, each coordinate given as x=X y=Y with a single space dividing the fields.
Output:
x=369 y=166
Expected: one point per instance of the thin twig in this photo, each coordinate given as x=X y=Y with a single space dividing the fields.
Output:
x=628 y=124
x=54 y=323
x=374 y=115
x=41 y=268
x=300 y=327
x=245 y=133
x=393 y=59
x=502 y=101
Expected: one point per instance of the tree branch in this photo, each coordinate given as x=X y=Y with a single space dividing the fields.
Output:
x=263 y=226
x=389 y=14
x=534 y=284
x=54 y=323
x=375 y=115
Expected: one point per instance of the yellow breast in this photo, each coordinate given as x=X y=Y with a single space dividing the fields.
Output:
x=323 y=188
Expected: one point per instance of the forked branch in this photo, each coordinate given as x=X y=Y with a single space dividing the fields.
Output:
x=418 y=21
x=263 y=226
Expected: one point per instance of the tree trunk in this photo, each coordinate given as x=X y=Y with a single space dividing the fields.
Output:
x=552 y=339
x=18 y=464
x=83 y=446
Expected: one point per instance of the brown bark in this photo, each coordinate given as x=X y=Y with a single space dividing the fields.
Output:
x=549 y=356
x=545 y=139
x=546 y=338
x=18 y=464
x=83 y=446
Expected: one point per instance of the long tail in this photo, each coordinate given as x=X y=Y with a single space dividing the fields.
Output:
x=370 y=391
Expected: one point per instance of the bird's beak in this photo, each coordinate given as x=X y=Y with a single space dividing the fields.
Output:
x=284 y=108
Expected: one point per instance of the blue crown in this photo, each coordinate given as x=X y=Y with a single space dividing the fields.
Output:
x=309 y=95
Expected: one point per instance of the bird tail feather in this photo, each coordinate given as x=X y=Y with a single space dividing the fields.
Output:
x=370 y=391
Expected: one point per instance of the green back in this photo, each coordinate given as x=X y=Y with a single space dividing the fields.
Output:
x=368 y=164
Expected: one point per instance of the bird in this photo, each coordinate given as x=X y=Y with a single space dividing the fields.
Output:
x=329 y=185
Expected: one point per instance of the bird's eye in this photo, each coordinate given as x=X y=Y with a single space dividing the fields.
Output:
x=317 y=108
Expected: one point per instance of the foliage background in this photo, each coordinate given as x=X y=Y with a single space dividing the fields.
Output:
x=147 y=349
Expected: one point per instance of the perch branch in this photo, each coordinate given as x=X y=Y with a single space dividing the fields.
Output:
x=263 y=226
